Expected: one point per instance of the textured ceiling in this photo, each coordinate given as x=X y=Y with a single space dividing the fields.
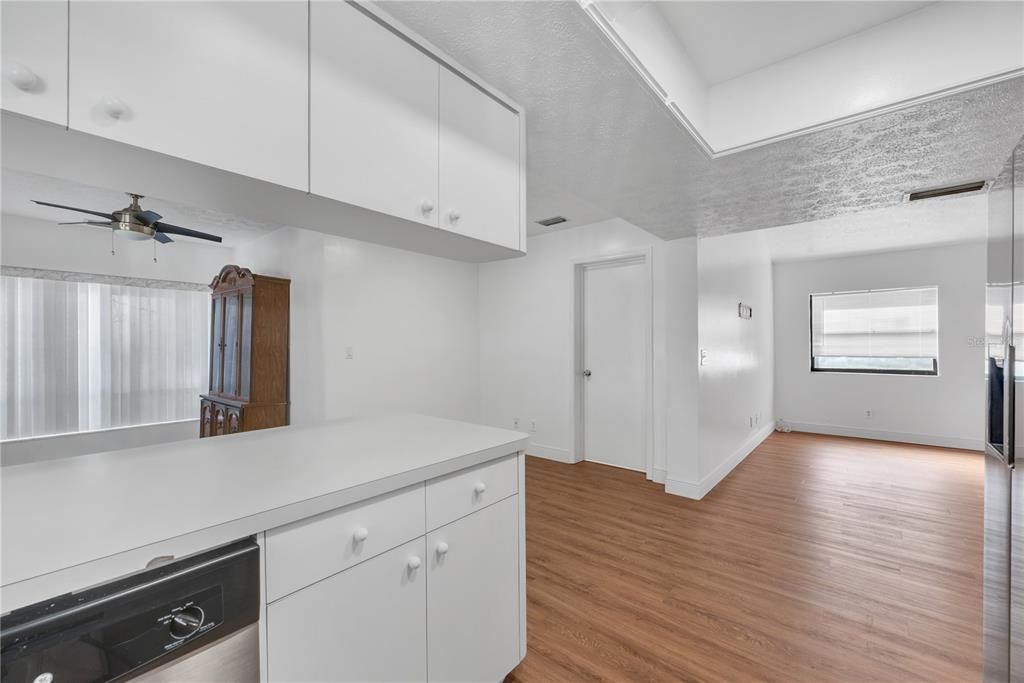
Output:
x=595 y=131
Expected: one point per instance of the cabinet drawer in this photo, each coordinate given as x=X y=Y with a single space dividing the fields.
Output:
x=309 y=550
x=460 y=493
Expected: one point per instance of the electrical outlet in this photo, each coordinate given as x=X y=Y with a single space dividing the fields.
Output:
x=515 y=423
x=349 y=353
x=533 y=425
x=867 y=413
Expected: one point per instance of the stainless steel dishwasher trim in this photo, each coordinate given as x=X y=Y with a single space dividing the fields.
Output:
x=237 y=652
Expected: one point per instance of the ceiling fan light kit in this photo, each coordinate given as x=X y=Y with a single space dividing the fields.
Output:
x=134 y=223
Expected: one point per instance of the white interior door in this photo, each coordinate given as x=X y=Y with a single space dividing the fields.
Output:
x=615 y=314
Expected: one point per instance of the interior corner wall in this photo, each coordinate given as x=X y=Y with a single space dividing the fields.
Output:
x=947 y=410
x=736 y=375
x=374 y=329
x=526 y=339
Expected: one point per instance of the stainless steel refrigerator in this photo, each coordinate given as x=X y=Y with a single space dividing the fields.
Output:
x=1003 y=613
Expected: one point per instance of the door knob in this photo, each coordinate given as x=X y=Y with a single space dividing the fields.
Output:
x=414 y=563
x=360 y=534
x=426 y=208
x=479 y=488
x=586 y=373
x=453 y=217
x=442 y=548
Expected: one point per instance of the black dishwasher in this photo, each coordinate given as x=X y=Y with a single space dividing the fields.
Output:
x=139 y=624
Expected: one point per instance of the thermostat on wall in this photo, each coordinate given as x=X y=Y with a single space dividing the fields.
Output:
x=746 y=312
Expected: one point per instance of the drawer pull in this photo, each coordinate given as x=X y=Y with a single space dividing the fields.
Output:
x=414 y=563
x=479 y=488
x=442 y=549
x=360 y=534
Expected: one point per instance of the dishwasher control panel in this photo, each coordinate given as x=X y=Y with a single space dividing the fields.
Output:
x=132 y=625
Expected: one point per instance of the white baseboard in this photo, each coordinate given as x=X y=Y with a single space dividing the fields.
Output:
x=681 y=487
x=697 y=490
x=658 y=476
x=884 y=435
x=549 y=452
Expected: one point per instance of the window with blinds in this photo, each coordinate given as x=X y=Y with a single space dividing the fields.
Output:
x=80 y=356
x=888 y=331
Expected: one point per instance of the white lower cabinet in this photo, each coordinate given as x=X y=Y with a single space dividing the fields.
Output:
x=445 y=607
x=364 y=624
x=473 y=596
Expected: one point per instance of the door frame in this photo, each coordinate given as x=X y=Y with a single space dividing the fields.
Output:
x=643 y=256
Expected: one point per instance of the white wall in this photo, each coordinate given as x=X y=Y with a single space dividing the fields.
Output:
x=410 y=320
x=736 y=378
x=32 y=243
x=526 y=339
x=947 y=410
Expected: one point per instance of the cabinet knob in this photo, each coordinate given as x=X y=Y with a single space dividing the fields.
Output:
x=113 y=107
x=427 y=208
x=414 y=563
x=453 y=217
x=442 y=549
x=479 y=488
x=360 y=534
x=21 y=77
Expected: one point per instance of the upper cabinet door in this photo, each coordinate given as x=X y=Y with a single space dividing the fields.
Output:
x=35 y=58
x=479 y=164
x=220 y=83
x=373 y=114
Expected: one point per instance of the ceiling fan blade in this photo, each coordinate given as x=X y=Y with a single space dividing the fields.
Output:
x=108 y=216
x=176 y=230
x=105 y=224
x=147 y=217
x=162 y=238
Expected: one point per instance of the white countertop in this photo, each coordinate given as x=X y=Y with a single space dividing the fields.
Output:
x=63 y=514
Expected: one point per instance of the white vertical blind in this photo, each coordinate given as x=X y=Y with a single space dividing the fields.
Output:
x=892 y=324
x=80 y=355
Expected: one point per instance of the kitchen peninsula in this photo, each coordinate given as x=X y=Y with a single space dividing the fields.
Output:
x=332 y=506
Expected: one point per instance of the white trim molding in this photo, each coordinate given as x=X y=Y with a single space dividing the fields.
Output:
x=555 y=453
x=697 y=490
x=883 y=435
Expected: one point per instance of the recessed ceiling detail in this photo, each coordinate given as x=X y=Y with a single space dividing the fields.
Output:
x=597 y=132
x=806 y=66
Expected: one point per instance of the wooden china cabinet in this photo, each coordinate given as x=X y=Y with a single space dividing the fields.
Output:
x=248 y=354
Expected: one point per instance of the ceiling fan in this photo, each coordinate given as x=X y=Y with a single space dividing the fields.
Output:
x=134 y=222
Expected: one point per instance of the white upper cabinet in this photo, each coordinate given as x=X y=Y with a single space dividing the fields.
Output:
x=220 y=83
x=373 y=115
x=479 y=164
x=35 y=58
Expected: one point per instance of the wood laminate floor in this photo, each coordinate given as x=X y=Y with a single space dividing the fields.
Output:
x=817 y=559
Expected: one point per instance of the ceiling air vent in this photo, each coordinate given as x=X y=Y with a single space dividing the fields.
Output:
x=946 y=191
x=554 y=220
